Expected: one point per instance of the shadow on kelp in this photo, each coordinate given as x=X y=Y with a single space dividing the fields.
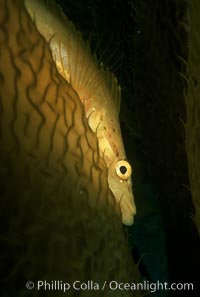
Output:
x=58 y=219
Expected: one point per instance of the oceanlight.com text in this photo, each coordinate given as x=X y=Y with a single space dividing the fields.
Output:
x=90 y=285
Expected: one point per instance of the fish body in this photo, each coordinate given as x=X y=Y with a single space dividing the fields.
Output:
x=98 y=91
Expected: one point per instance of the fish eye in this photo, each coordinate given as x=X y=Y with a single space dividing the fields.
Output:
x=123 y=169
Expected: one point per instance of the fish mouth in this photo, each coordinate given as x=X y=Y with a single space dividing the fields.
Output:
x=128 y=210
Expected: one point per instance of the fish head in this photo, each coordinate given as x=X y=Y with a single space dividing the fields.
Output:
x=120 y=183
x=119 y=170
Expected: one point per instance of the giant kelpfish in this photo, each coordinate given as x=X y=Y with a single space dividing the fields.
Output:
x=97 y=89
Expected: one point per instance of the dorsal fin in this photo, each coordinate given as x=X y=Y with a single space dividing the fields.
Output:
x=57 y=11
x=72 y=54
x=113 y=86
x=109 y=77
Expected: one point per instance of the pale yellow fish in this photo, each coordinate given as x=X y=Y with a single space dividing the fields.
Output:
x=97 y=89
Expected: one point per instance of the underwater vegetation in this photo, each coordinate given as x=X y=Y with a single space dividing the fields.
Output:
x=192 y=99
x=51 y=226
x=59 y=220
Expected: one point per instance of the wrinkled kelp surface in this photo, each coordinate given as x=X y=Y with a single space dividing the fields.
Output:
x=153 y=45
x=58 y=218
